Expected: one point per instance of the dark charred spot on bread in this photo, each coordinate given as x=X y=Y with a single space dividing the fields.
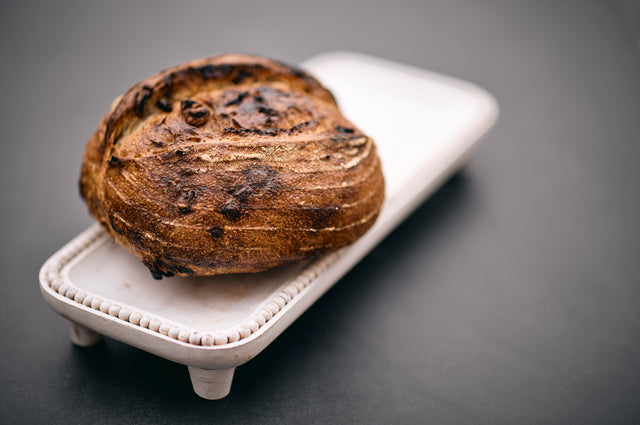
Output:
x=236 y=72
x=188 y=103
x=165 y=86
x=155 y=273
x=211 y=71
x=344 y=137
x=216 y=232
x=238 y=99
x=301 y=126
x=164 y=105
x=243 y=131
x=267 y=111
x=155 y=268
x=167 y=266
x=231 y=210
x=241 y=75
x=141 y=97
x=194 y=113
x=114 y=161
x=173 y=266
x=235 y=131
x=345 y=130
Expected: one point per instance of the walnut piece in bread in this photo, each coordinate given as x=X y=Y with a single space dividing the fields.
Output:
x=230 y=164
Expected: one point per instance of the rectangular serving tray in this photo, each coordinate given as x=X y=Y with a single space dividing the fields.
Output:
x=425 y=125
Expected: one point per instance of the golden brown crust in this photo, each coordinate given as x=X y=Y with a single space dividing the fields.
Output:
x=230 y=164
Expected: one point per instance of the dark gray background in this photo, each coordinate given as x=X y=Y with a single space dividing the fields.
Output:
x=512 y=296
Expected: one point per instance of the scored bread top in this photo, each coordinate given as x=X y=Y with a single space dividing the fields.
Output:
x=230 y=164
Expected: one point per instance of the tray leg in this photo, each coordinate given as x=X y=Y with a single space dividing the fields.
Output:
x=81 y=335
x=211 y=384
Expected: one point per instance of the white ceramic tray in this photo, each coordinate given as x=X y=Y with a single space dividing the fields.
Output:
x=425 y=126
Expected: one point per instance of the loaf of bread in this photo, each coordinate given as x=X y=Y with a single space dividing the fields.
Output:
x=230 y=164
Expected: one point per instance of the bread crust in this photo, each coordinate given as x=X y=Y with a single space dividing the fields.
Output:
x=230 y=164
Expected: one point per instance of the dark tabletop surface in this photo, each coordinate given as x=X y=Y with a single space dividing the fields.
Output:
x=511 y=296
